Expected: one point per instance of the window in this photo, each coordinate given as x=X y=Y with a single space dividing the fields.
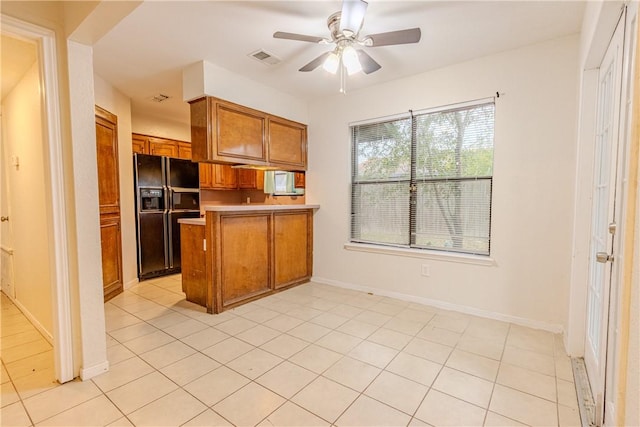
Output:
x=424 y=181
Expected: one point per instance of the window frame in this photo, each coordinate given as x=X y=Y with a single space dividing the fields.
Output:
x=413 y=248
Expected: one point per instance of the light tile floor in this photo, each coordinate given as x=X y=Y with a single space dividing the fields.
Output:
x=313 y=355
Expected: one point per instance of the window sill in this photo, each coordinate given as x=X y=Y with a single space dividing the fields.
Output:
x=422 y=253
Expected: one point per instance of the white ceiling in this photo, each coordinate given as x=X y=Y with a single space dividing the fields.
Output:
x=145 y=53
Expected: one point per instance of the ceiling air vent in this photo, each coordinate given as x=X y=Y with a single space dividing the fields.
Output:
x=159 y=97
x=265 y=57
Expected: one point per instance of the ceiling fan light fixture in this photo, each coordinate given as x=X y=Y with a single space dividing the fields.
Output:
x=350 y=60
x=332 y=63
x=352 y=16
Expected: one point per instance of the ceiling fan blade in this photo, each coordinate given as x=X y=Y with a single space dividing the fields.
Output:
x=315 y=63
x=352 y=15
x=369 y=65
x=299 y=37
x=411 y=35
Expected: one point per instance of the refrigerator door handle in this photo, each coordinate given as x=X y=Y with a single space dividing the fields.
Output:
x=167 y=235
x=169 y=239
x=165 y=196
x=139 y=239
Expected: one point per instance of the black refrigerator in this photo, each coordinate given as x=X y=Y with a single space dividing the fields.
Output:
x=166 y=189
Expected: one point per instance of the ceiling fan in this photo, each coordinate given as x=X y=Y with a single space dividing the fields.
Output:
x=344 y=27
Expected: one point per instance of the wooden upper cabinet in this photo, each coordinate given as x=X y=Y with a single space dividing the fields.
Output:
x=250 y=179
x=225 y=177
x=287 y=143
x=246 y=178
x=139 y=144
x=239 y=132
x=161 y=147
x=218 y=177
x=224 y=132
x=107 y=153
x=157 y=146
x=184 y=150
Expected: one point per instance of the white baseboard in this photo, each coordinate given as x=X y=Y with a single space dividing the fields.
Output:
x=46 y=334
x=530 y=323
x=131 y=283
x=94 y=371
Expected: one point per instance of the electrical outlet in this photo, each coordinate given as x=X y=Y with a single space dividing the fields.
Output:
x=425 y=270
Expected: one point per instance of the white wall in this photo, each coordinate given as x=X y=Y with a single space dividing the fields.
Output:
x=117 y=103
x=147 y=124
x=23 y=138
x=204 y=78
x=87 y=223
x=533 y=189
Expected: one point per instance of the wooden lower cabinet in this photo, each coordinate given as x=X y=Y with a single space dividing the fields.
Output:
x=243 y=263
x=291 y=243
x=193 y=262
x=249 y=255
x=111 y=256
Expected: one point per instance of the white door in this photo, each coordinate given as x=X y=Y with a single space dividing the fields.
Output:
x=6 y=248
x=601 y=254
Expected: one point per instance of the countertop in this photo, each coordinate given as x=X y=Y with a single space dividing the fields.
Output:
x=192 y=221
x=244 y=208
x=257 y=207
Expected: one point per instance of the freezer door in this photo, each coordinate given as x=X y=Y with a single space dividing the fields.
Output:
x=174 y=235
x=182 y=173
x=149 y=171
x=153 y=253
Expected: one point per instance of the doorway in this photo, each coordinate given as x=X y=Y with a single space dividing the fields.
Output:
x=609 y=196
x=25 y=237
x=54 y=191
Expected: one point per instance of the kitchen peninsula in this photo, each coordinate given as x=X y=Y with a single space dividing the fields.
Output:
x=239 y=253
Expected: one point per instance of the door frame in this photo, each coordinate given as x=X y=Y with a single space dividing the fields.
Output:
x=56 y=195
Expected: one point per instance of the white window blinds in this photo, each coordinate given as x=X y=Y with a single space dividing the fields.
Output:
x=425 y=181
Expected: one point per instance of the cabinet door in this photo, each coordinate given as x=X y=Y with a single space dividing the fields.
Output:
x=109 y=200
x=292 y=248
x=159 y=147
x=225 y=177
x=217 y=177
x=287 y=143
x=139 y=144
x=244 y=257
x=206 y=174
x=247 y=179
x=239 y=133
x=184 y=150
x=111 y=256
x=194 y=283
